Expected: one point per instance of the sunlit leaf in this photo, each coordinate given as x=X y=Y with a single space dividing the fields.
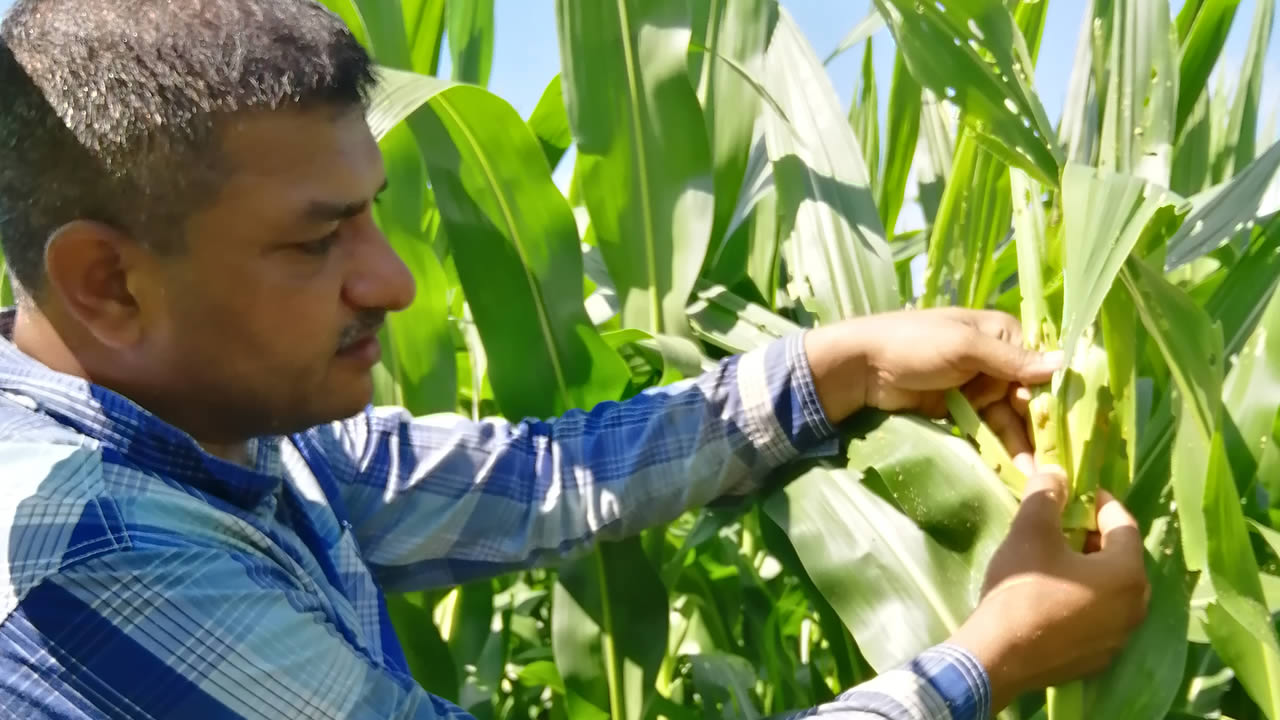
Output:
x=470 y=28
x=840 y=263
x=630 y=106
x=550 y=123
x=1204 y=31
x=1223 y=212
x=970 y=52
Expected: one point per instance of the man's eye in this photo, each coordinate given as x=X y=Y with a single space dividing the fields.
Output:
x=319 y=247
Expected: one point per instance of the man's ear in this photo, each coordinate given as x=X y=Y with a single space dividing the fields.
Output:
x=88 y=265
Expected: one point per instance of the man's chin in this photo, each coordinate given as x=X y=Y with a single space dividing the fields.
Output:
x=349 y=400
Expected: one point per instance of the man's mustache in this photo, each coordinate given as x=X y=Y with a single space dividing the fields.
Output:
x=368 y=323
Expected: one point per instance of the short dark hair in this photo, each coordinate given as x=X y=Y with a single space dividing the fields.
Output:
x=109 y=109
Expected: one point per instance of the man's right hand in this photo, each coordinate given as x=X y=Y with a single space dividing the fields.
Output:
x=1049 y=614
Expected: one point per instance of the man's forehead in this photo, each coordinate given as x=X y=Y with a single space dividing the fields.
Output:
x=286 y=141
x=304 y=152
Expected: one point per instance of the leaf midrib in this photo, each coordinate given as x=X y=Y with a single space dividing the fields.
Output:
x=642 y=167
x=539 y=304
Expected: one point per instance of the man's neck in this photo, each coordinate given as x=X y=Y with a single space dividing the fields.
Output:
x=36 y=337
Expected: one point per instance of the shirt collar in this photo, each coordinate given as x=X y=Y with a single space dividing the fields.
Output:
x=141 y=438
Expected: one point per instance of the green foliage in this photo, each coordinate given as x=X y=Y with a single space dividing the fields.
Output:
x=722 y=198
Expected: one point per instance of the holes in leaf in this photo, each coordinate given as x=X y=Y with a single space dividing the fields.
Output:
x=949 y=91
x=1011 y=106
x=977 y=31
x=941 y=8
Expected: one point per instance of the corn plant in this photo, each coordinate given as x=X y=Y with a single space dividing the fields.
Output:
x=722 y=197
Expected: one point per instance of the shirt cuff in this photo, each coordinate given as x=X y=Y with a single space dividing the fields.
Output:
x=958 y=678
x=782 y=416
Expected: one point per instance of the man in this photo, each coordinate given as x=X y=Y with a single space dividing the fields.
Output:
x=201 y=510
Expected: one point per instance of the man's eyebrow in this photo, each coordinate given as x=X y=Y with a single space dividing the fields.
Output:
x=322 y=211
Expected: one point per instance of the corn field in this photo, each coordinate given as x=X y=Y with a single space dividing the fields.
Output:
x=723 y=196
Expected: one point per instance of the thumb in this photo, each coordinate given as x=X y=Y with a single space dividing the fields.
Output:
x=1043 y=501
x=1004 y=360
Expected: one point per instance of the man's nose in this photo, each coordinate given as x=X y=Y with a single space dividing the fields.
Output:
x=381 y=279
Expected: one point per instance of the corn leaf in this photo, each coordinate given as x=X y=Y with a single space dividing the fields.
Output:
x=1192 y=169
x=1078 y=127
x=1242 y=129
x=864 y=116
x=840 y=263
x=609 y=619
x=919 y=559
x=1251 y=396
x=1224 y=212
x=350 y=15
x=1142 y=681
x=1029 y=17
x=970 y=52
x=900 y=150
x=388 y=40
x=1192 y=347
x=1203 y=594
x=737 y=31
x=550 y=123
x=912 y=592
x=642 y=150
x=430 y=660
x=1219 y=120
x=729 y=322
x=520 y=265
x=421 y=353
x=1106 y=215
x=1236 y=305
x=1138 y=113
x=1203 y=34
x=424 y=23
x=937 y=127
x=1120 y=338
x=1029 y=238
x=973 y=217
x=6 y=285
x=470 y=28
x=969 y=516
x=864 y=30
x=1238 y=622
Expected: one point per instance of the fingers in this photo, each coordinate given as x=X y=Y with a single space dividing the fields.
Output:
x=983 y=390
x=998 y=358
x=1012 y=431
x=1020 y=399
x=1117 y=529
x=1043 y=502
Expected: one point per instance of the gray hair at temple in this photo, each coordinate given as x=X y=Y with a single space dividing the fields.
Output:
x=110 y=109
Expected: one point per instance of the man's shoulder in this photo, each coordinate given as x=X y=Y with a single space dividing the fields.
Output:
x=53 y=513
x=63 y=503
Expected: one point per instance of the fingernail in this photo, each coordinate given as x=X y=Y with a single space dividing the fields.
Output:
x=1052 y=360
x=1051 y=469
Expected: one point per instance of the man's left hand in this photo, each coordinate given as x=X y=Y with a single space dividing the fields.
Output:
x=907 y=360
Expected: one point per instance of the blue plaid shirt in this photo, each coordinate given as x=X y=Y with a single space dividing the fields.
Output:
x=144 y=578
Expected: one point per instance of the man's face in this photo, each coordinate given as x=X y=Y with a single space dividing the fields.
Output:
x=265 y=323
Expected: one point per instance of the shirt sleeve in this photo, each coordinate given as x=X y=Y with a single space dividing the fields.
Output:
x=944 y=682
x=440 y=500
x=190 y=633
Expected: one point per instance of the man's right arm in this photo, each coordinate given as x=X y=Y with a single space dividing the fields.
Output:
x=1048 y=615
